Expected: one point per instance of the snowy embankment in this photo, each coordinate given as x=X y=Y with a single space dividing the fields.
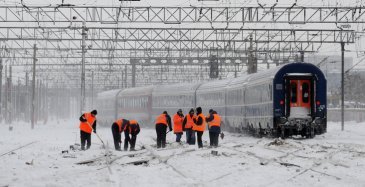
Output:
x=333 y=159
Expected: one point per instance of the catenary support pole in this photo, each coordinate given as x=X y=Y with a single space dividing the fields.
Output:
x=11 y=109
x=1 y=86
x=83 y=91
x=5 y=113
x=342 y=85
x=33 y=86
x=301 y=56
x=125 y=76
x=134 y=74
x=92 y=89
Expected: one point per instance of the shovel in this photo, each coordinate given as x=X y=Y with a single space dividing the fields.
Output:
x=96 y=135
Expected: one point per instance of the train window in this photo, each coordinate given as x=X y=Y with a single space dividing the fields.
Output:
x=293 y=92
x=305 y=92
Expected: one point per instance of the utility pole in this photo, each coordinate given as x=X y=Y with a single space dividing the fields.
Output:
x=5 y=115
x=92 y=89
x=38 y=100
x=122 y=79
x=83 y=91
x=10 y=94
x=1 y=86
x=125 y=76
x=33 y=86
x=301 y=56
x=134 y=73
x=342 y=85
x=27 y=113
x=252 y=61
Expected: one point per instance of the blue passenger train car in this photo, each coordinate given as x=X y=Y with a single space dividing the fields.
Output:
x=283 y=101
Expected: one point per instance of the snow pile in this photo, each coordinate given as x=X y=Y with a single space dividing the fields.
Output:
x=45 y=158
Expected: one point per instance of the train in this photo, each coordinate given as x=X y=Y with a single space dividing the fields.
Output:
x=283 y=101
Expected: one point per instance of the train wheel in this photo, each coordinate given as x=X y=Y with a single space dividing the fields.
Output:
x=311 y=132
x=319 y=129
x=303 y=132
x=269 y=131
x=252 y=131
x=247 y=130
x=260 y=132
x=275 y=132
x=282 y=135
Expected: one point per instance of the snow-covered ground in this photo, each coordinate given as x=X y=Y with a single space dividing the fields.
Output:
x=334 y=159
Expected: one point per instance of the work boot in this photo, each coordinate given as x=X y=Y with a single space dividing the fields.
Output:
x=83 y=148
x=132 y=149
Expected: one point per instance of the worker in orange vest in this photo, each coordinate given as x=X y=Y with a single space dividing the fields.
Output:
x=132 y=129
x=188 y=124
x=87 y=125
x=214 y=126
x=178 y=121
x=117 y=128
x=162 y=122
x=199 y=126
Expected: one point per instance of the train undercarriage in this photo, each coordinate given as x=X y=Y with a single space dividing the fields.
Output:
x=284 y=128
x=305 y=127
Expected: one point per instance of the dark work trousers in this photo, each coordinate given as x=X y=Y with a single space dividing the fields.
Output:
x=133 y=142
x=199 y=135
x=190 y=136
x=213 y=137
x=126 y=140
x=178 y=136
x=85 y=137
x=161 y=135
x=116 y=136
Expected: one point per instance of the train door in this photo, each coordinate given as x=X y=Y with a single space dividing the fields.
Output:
x=300 y=98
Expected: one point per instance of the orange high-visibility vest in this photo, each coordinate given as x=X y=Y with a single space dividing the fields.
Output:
x=119 y=122
x=178 y=121
x=216 y=121
x=87 y=127
x=189 y=121
x=132 y=123
x=201 y=127
x=161 y=119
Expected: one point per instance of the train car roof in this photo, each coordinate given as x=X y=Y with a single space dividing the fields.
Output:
x=176 y=89
x=108 y=94
x=268 y=74
x=263 y=75
x=239 y=81
x=147 y=90
x=214 y=85
x=299 y=69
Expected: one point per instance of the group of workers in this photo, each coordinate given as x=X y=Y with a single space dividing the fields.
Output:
x=193 y=122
